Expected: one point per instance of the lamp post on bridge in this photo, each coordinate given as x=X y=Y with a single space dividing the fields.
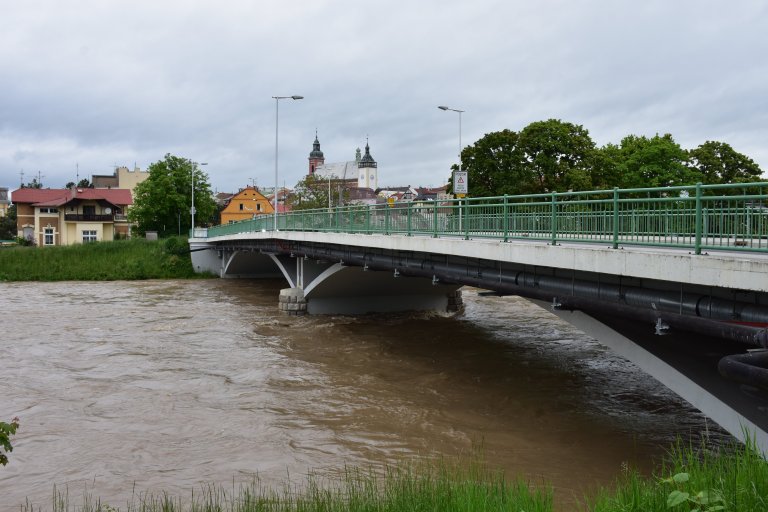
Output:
x=277 y=102
x=460 y=175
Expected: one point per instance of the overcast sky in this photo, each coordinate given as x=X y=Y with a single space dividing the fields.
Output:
x=94 y=84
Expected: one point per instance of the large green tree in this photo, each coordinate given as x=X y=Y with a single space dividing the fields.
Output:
x=718 y=162
x=493 y=165
x=658 y=161
x=556 y=155
x=162 y=202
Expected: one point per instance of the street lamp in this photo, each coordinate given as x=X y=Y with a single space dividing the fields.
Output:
x=443 y=107
x=277 y=102
x=192 y=208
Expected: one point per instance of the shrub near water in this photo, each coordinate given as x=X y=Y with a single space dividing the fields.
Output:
x=100 y=261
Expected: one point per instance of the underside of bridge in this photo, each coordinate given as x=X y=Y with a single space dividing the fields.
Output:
x=629 y=314
x=333 y=271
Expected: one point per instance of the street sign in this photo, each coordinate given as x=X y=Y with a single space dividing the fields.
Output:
x=460 y=185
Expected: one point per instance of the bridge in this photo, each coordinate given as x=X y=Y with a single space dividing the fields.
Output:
x=638 y=269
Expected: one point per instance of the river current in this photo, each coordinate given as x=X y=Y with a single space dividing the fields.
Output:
x=127 y=387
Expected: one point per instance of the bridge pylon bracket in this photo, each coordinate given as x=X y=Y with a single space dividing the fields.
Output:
x=661 y=327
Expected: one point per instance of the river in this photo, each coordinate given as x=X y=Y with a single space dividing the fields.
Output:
x=127 y=387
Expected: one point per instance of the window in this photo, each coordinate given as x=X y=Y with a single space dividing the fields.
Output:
x=89 y=235
x=241 y=206
x=258 y=207
x=49 y=210
x=48 y=236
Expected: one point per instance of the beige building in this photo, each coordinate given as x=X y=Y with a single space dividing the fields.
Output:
x=122 y=178
x=68 y=216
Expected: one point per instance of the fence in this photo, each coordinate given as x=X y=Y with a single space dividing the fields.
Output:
x=698 y=217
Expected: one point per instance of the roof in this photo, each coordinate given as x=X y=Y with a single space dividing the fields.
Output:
x=58 y=197
x=341 y=170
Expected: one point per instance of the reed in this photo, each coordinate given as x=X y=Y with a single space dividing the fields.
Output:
x=99 y=261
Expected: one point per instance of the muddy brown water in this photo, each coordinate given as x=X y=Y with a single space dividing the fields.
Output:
x=151 y=386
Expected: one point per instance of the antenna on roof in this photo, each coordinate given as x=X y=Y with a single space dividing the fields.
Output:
x=77 y=173
x=22 y=177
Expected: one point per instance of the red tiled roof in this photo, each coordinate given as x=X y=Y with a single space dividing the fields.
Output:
x=58 y=197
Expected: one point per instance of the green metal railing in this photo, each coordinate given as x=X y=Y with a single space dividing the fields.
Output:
x=698 y=217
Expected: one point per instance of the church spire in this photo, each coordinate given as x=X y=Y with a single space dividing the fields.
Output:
x=316 y=157
x=367 y=160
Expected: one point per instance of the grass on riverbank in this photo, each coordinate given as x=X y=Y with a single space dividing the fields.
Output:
x=99 y=261
x=731 y=479
x=406 y=488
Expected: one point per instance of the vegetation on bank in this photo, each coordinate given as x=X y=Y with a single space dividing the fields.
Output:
x=692 y=478
x=100 y=261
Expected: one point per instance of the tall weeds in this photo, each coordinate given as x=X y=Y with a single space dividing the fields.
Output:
x=100 y=261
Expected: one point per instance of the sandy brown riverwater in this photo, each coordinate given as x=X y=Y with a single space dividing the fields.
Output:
x=167 y=385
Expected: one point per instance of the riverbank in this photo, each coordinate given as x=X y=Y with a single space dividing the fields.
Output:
x=734 y=478
x=100 y=261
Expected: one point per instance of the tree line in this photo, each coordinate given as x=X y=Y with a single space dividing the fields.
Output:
x=557 y=156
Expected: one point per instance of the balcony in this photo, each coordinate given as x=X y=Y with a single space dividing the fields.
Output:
x=88 y=217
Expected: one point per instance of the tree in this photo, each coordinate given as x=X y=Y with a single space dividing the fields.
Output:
x=6 y=431
x=556 y=156
x=654 y=162
x=83 y=183
x=32 y=184
x=493 y=165
x=312 y=192
x=717 y=162
x=607 y=168
x=162 y=202
x=8 y=229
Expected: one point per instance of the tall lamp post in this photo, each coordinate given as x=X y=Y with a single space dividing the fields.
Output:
x=277 y=103
x=443 y=107
x=192 y=208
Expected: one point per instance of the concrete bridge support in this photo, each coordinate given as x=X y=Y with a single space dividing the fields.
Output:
x=324 y=287
x=336 y=288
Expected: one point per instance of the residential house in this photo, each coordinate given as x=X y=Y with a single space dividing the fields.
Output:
x=73 y=215
x=246 y=204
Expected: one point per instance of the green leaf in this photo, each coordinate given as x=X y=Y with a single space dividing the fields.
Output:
x=681 y=477
x=676 y=497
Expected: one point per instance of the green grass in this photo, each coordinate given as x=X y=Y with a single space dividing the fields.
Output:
x=407 y=488
x=100 y=261
x=694 y=478
x=731 y=479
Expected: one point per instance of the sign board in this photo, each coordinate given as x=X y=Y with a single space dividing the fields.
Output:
x=460 y=185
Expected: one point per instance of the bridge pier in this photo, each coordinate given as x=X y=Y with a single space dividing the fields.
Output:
x=292 y=302
x=335 y=288
x=322 y=287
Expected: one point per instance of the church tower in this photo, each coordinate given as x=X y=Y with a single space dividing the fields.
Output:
x=367 y=170
x=316 y=157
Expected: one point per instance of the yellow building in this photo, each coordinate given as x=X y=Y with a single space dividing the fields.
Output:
x=245 y=205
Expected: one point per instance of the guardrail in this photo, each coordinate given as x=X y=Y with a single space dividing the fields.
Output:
x=697 y=217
